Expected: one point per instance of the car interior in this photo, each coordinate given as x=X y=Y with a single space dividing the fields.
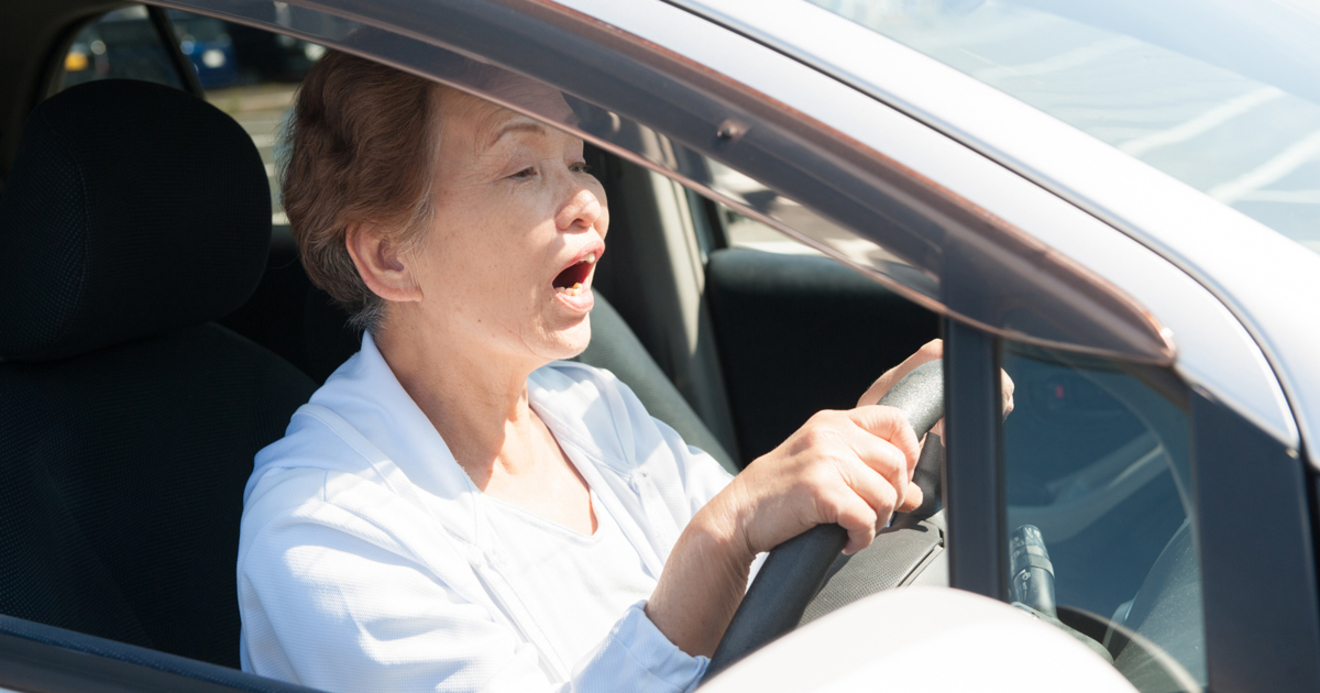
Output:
x=139 y=379
x=766 y=325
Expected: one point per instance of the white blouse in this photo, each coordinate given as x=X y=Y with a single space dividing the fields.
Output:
x=369 y=561
x=575 y=585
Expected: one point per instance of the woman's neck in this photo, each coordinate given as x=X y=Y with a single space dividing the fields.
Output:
x=476 y=401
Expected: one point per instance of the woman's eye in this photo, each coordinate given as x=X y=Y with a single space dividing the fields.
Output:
x=580 y=167
x=525 y=173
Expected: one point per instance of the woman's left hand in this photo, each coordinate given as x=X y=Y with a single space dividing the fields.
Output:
x=930 y=351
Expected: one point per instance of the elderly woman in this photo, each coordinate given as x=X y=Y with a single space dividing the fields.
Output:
x=458 y=509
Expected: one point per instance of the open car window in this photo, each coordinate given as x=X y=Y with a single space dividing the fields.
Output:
x=120 y=44
x=889 y=213
x=250 y=74
x=1098 y=493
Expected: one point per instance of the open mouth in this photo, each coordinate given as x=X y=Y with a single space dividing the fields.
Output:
x=571 y=281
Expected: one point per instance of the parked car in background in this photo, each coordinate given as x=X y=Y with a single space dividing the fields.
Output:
x=120 y=44
x=209 y=47
x=1112 y=202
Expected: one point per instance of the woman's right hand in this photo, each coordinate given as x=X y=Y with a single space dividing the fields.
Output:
x=850 y=467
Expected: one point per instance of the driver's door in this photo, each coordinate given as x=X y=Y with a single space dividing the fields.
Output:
x=1150 y=521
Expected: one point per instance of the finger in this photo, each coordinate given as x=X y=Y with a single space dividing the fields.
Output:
x=1007 y=388
x=887 y=462
x=930 y=351
x=884 y=462
x=880 y=492
x=912 y=499
x=890 y=424
x=859 y=518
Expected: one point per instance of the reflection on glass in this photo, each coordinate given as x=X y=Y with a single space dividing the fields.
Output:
x=1215 y=96
x=762 y=218
x=1099 y=514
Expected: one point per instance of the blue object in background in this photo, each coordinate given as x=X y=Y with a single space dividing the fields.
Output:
x=209 y=48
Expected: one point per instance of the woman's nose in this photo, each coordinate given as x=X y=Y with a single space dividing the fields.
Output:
x=580 y=212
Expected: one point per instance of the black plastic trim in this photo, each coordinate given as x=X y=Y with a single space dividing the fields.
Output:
x=1258 y=571
x=973 y=484
x=182 y=66
x=38 y=657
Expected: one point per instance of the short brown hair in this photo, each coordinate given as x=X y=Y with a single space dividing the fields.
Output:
x=360 y=148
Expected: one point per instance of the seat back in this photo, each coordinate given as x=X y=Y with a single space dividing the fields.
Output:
x=133 y=215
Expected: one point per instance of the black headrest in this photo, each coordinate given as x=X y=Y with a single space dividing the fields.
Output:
x=131 y=209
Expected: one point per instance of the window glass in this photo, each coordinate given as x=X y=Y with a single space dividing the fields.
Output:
x=251 y=74
x=121 y=44
x=1099 y=513
x=873 y=216
x=742 y=231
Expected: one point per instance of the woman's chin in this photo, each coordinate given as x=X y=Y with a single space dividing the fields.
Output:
x=569 y=341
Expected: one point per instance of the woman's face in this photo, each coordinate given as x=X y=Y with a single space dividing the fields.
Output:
x=519 y=225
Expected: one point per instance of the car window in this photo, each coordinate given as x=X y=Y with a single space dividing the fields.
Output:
x=120 y=44
x=1099 y=512
x=742 y=231
x=249 y=73
x=252 y=75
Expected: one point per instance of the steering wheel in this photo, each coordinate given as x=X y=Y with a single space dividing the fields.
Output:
x=795 y=570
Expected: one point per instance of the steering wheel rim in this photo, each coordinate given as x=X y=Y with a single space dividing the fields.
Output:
x=795 y=570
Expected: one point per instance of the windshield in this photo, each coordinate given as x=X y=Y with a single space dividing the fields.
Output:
x=1224 y=96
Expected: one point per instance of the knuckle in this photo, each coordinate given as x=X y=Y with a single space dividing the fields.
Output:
x=820 y=437
x=812 y=437
x=824 y=478
x=882 y=495
x=859 y=516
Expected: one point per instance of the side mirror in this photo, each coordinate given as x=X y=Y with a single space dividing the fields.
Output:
x=924 y=639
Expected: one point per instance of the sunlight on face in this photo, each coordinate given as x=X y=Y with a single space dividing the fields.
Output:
x=519 y=224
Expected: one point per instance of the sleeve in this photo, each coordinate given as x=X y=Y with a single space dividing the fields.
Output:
x=332 y=601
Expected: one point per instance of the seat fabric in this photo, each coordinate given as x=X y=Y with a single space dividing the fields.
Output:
x=122 y=486
x=134 y=215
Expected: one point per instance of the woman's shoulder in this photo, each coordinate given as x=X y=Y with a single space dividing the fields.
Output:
x=325 y=480
x=305 y=468
x=595 y=409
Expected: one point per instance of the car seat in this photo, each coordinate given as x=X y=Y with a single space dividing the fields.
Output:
x=133 y=216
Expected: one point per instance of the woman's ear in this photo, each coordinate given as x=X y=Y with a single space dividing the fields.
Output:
x=388 y=272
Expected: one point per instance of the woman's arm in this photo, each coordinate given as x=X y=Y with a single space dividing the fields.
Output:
x=850 y=467
x=853 y=468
